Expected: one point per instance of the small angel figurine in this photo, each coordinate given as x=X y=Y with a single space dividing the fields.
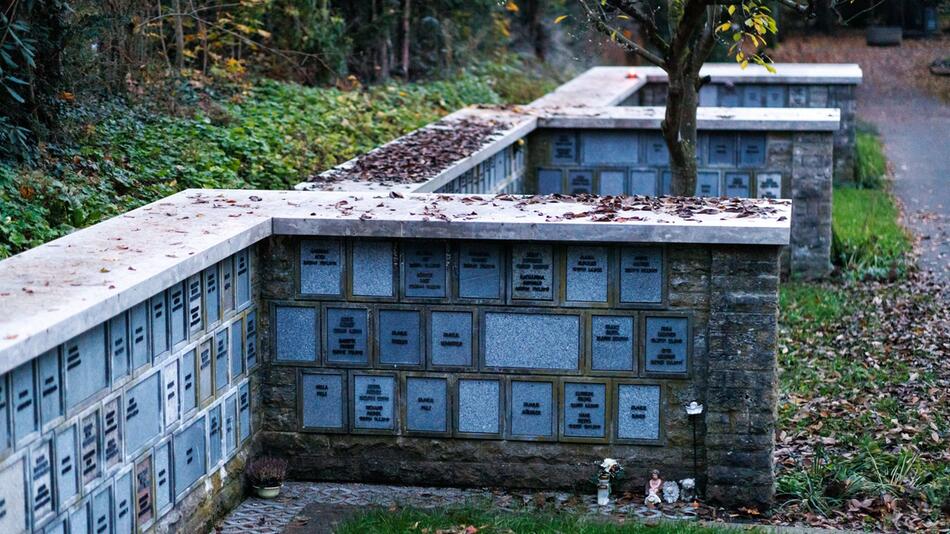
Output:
x=654 y=486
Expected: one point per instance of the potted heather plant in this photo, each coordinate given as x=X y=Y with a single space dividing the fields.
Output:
x=266 y=475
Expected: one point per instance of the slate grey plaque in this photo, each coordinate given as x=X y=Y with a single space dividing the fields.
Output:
x=532 y=272
x=101 y=506
x=143 y=420
x=450 y=338
x=667 y=339
x=478 y=406
x=426 y=404
x=227 y=284
x=205 y=378
x=751 y=150
x=163 y=483
x=189 y=456
x=244 y=411
x=579 y=182
x=728 y=96
x=143 y=491
x=237 y=348
x=138 y=335
x=657 y=152
x=708 y=95
x=212 y=295
x=768 y=185
x=23 y=394
x=612 y=183
x=612 y=343
x=58 y=526
x=346 y=335
x=170 y=392
x=586 y=274
x=13 y=516
x=178 y=314
x=707 y=184
x=230 y=425
x=531 y=340
x=5 y=431
x=111 y=433
x=194 y=304
x=67 y=481
x=424 y=269
x=323 y=400
x=79 y=519
x=374 y=402
x=564 y=148
x=641 y=275
x=119 y=346
x=86 y=369
x=638 y=412
x=372 y=268
x=753 y=96
x=41 y=482
x=214 y=436
x=250 y=330
x=51 y=394
x=532 y=409
x=609 y=147
x=643 y=183
x=123 y=520
x=666 y=183
x=158 y=325
x=296 y=333
x=186 y=380
x=737 y=184
x=797 y=96
x=722 y=149
x=89 y=435
x=242 y=291
x=480 y=271
x=775 y=96
x=400 y=337
x=585 y=410
x=817 y=96
x=321 y=267
x=221 y=359
x=550 y=181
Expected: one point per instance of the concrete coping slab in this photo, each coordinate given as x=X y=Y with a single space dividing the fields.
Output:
x=707 y=118
x=56 y=291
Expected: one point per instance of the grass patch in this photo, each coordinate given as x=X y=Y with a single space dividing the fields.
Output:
x=868 y=240
x=487 y=521
x=870 y=168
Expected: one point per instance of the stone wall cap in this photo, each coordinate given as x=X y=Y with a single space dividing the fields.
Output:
x=707 y=118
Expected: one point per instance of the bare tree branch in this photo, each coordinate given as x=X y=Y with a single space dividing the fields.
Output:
x=647 y=24
x=597 y=19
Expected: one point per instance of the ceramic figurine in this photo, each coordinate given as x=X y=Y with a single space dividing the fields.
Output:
x=671 y=492
x=688 y=489
x=654 y=486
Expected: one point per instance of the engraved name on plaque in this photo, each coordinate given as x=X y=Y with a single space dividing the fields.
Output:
x=666 y=344
x=424 y=270
x=638 y=416
x=532 y=272
x=374 y=399
x=480 y=271
x=585 y=410
x=321 y=271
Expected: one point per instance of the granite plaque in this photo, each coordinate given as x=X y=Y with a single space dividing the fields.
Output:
x=89 y=447
x=214 y=436
x=230 y=425
x=586 y=274
x=101 y=506
x=751 y=150
x=119 y=346
x=227 y=285
x=86 y=368
x=138 y=328
x=321 y=267
x=768 y=185
x=666 y=183
x=737 y=184
x=324 y=400
x=163 y=483
x=450 y=338
x=158 y=325
x=532 y=272
x=250 y=330
x=722 y=149
x=426 y=404
x=374 y=401
x=657 y=152
x=728 y=96
x=205 y=378
x=221 y=359
x=244 y=411
x=638 y=414
x=666 y=344
x=23 y=391
x=708 y=95
x=580 y=182
x=612 y=183
x=170 y=392
x=372 y=269
x=753 y=96
x=707 y=184
x=13 y=516
x=79 y=519
x=609 y=147
x=612 y=343
x=797 y=96
x=296 y=334
x=194 y=304
x=178 y=314
x=480 y=271
x=189 y=456
x=123 y=520
x=143 y=491
x=585 y=412
x=112 y=433
x=775 y=96
x=564 y=148
x=58 y=526
x=242 y=290
x=641 y=275
x=51 y=403
x=550 y=181
x=346 y=336
x=143 y=420
x=67 y=481
x=41 y=476
x=643 y=183
x=531 y=340
x=237 y=349
x=400 y=337
x=424 y=269
x=186 y=379
x=817 y=96
x=478 y=406
x=532 y=409
x=5 y=431
x=212 y=295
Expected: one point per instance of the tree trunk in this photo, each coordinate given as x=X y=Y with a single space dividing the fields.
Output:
x=679 y=131
x=179 y=37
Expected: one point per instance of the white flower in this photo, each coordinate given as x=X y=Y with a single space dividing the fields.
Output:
x=608 y=464
x=694 y=408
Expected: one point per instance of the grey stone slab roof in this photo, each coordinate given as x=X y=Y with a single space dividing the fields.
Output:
x=56 y=291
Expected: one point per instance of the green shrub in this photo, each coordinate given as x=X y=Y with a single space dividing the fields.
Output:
x=868 y=240
x=870 y=170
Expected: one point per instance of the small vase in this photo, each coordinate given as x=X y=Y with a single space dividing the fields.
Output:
x=267 y=492
x=603 y=492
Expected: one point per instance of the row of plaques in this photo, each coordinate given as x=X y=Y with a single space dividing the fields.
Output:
x=491 y=174
x=519 y=408
x=482 y=272
x=490 y=339
x=653 y=182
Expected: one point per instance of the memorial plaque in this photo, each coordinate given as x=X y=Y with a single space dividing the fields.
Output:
x=79 y=519
x=59 y=526
x=67 y=481
x=186 y=379
x=612 y=183
x=23 y=391
x=666 y=183
x=728 y=96
x=42 y=483
x=321 y=267
x=205 y=378
x=722 y=149
x=102 y=511
x=296 y=334
x=424 y=269
x=250 y=329
x=751 y=150
x=119 y=346
x=753 y=96
x=768 y=185
x=138 y=335
x=550 y=181
x=775 y=96
x=221 y=360
x=657 y=152
x=374 y=401
x=244 y=411
x=638 y=414
x=400 y=337
x=227 y=285
x=480 y=271
x=643 y=183
x=564 y=148
x=230 y=425
x=641 y=275
x=479 y=406
x=242 y=290
x=323 y=401
x=212 y=295
x=170 y=392
x=178 y=315
x=609 y=147
x=427 y=404
x=532 y=272
x=532 y=409
x=346 y=335
x=123 y=520
x=708 y=95
x=531 y=341
x=580 y=182
x=612 y=347
x=194 y=304
x=585 y=412
x=89 y=448
x=189 y=456
x=111 y=433
x=372 y=268
x=86 y=369
x=737 y=184
x=667 y=342
x=817 y=96
x=51 y=399
x=143 y=416
x=144 y=511
x=237 y=349
x=158 y=325
x=586 y=274
x=13 y=516
x=214 y=436
x=163 y=482
x=707 y=184
x=450 y=338
x=797 y=96
x=5 y=431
